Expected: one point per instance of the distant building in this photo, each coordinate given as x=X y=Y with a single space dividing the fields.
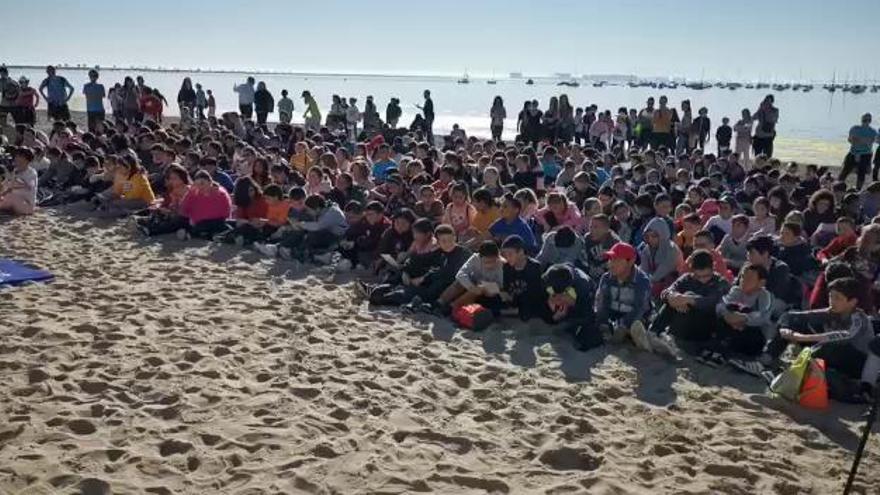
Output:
x=516 y=75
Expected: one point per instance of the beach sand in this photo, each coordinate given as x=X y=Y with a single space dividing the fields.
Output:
x=180 y=367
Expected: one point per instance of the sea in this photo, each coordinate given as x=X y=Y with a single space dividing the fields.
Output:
x=812 y=127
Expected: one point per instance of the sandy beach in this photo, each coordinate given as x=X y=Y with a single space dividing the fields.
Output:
x=187 y=368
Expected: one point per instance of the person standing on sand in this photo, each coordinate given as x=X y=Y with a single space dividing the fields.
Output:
x=661 y=125
x=264 y=102
x=56 y=90
x=94 y=93
x=497 y=114
x=212 y=104
x=743 y=130
x=201 y=102
x=26 y=104
x=428 y=113
x=285 y=108
x=8 y=95
x=186 y=99
x=767 y=116
x=116 y=103
x=312 y=115
x=861 y=139
x=245 y=98
x=393 y=113
x=352 y=117
x=645 y=122
x=131 y=95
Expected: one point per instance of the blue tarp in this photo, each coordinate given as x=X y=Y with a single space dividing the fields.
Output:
x=13 y=272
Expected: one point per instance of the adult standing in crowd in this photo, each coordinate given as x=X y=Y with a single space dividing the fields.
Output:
x=861 y=144
x=264 y=103
x=56 y=90
x=765 y=133
x=246 y=97
x=95 y=94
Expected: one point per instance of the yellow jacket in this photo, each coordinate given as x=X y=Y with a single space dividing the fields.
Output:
x=134 y=187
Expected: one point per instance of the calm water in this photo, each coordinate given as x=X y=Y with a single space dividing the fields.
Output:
x=812 y=126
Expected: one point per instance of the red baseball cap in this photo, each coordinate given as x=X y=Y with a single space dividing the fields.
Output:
x=621 y=251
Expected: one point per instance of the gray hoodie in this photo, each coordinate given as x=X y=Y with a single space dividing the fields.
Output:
x=661 y=262
x=473 y=274
x=552 y=254
x=331 y=219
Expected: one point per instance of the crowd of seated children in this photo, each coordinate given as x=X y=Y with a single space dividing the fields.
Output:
x=639 y=244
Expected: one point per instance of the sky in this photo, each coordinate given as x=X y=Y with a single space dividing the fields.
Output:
x=785 y=40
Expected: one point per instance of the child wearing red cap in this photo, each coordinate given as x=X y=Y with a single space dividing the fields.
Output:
x=623 y=300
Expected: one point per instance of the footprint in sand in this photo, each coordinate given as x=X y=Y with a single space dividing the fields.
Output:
x=81 y=426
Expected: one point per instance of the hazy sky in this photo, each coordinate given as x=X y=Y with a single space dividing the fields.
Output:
x=783 y=39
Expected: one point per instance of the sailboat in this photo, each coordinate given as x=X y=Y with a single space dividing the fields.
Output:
x=464 y=79
x=492 y=81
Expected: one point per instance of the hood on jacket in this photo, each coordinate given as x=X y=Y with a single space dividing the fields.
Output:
x=659 y=225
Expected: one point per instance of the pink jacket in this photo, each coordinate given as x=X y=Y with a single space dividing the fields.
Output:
x=571 y=218
x=212 y=205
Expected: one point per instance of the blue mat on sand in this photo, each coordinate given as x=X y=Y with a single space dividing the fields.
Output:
x=13 y=272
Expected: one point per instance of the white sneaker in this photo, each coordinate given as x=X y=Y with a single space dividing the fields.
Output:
x=183 y=235
x=663 y=344
x=640 y=336
x=343 y=266
x=270 y=250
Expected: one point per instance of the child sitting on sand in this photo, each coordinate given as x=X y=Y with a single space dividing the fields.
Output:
x=689 y=303
x=511 y=223
x=569 y=303
x=733 y=246
x=207 y=207
x=360 y=243
x=259 y=229
x=131 y=190
x=623 y=298
x=18 y=191
x=523 y=288
x=167 y=217
x=842 y=332
x=486 y=213
x=744 y=317
x=459 y=212
x=478 y=281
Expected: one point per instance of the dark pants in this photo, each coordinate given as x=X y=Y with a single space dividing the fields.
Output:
x=93 y=118
x=24 y=115
x=303 y=243
x=694 y=326
x=207 y=229
x=583 y=330
x=659 y=139
x=261 y=117
x=429 y=130
x=746 y=342
x=252 y=234
x=59 y=111
x=841 y=356
x=876 y=164
x=861 y=164
x=496 y=132
x=763 y=145
x=161 y=224
x=246 y=111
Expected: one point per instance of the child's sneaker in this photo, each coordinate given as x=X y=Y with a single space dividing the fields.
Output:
x=183 y=235
x=640 y=336
x=663 y=345
x=344 y=266
x=270 y=250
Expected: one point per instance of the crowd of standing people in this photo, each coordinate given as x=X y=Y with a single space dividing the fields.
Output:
x=616 y=229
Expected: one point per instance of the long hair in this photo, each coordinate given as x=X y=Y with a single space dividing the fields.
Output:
x=241 y=195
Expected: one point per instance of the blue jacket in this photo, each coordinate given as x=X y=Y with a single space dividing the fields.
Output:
x=501 y=230
x=629 y=301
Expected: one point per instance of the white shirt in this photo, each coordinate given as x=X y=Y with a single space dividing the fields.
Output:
x=245 y=94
